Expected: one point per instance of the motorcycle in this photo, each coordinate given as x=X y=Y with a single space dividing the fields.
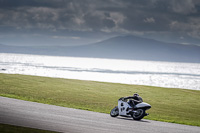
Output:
x=137 y=112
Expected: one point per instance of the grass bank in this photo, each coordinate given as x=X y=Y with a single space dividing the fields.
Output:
x=168 y=104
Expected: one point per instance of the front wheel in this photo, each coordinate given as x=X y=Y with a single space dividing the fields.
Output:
x=138 y=114
x=114 y=112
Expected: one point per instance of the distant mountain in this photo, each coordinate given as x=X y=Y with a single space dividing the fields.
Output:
x=121 y=47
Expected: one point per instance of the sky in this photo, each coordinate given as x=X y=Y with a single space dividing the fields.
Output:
x=79 y=22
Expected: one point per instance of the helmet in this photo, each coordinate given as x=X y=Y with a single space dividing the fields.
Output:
x=135 y=95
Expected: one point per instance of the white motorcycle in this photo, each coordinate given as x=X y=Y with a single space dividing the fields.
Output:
x=125 y=109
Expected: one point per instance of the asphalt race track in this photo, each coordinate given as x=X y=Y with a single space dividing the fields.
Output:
x=61 y=119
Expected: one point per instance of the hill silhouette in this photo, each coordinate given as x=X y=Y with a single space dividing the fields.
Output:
x=121 y=47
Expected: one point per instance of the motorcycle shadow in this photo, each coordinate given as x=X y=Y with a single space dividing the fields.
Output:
x=131 y=119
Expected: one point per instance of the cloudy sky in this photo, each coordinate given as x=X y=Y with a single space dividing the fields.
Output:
x=77 y=22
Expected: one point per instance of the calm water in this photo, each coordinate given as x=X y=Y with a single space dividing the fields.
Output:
x=163 y=74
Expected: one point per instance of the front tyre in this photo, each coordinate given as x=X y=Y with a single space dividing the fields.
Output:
x=114 y=112
x=138 y=114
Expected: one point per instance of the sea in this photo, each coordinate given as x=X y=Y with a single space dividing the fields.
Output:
x=137 y=72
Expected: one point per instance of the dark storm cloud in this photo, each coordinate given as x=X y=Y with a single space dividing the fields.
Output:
x=142 y=17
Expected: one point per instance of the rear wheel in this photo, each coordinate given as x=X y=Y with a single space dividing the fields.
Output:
x=139 y=114
x=114 y=112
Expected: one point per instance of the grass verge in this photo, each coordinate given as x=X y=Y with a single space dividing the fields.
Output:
x=5 y=128
x=168 y=104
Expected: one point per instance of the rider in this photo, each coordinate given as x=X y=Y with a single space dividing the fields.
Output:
x=133 y=99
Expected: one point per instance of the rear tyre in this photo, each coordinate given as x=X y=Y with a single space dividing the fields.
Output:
x=114 y=112
x=139 y=114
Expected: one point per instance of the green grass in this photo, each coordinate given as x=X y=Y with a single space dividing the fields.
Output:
x=168 y=104
x=5 y=128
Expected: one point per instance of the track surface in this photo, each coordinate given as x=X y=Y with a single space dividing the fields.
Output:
x=61 y=119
